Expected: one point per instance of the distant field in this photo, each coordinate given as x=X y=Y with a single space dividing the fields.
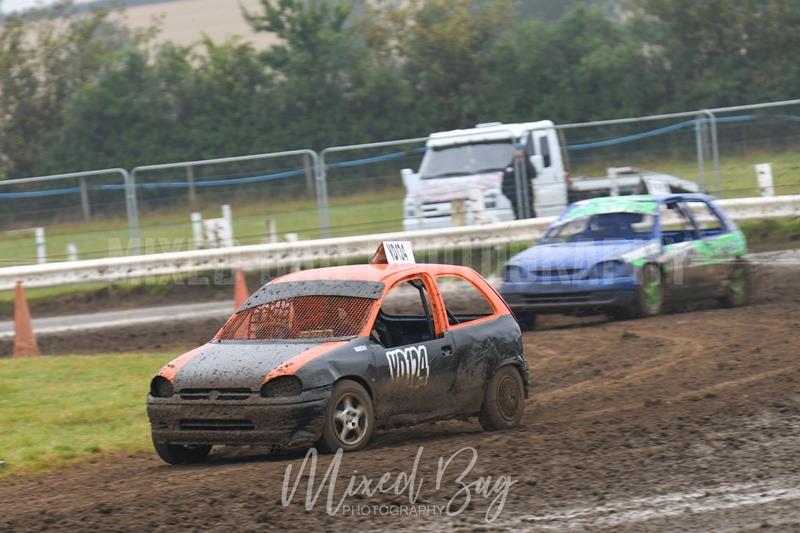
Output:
x=737 y=174
x=359 y=213
x=59 y=410
x=185 y=21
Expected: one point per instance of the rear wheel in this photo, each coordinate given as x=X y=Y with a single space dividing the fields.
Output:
x=179 y=454
x=737 y=289
x=504 y=400
x=349 y=419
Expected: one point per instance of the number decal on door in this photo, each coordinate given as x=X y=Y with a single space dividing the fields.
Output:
x=409 y=364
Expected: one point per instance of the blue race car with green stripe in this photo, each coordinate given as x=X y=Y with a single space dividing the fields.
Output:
x=626 y=255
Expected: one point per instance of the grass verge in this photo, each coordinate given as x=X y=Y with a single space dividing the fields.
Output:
x=785 y=231
x=59 y=410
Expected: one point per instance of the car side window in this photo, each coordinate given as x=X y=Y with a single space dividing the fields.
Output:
x=544 y=149
x=567 y=231
x=676 y=226
x=404 y=317
x=707 y=221
x=462 y=300
x=403 y=300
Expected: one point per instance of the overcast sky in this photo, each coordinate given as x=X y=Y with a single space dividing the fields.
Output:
x=16 y=5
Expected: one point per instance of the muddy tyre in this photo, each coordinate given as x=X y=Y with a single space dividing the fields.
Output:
x=349 y=419
x=736 y=291
x=649 y=299
x=503 y=401
x=178 y=454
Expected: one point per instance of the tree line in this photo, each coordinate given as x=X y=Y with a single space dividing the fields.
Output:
x=82 y=90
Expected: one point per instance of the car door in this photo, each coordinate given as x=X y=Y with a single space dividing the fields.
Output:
x=413 y=354
x=711 y=257
x=475 y=350
x=549 y=186
x=679 y=236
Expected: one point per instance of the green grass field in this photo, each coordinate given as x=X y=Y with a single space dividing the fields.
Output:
x=60 y=410
x=737 y=174
x=359 y=213
x=363 y=212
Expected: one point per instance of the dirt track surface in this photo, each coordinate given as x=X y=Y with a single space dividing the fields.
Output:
x=688 y=421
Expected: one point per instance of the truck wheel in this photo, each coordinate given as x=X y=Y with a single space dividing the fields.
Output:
x=179 y=454
x=349 y=419
x=737 y=289
x=503 y=401
x=649 y=293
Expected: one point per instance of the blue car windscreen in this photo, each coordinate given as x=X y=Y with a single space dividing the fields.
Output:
x=601 y=227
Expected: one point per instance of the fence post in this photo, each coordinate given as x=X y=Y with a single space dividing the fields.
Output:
x=699 y=136
x=712 y=120
x=309 y=172
x=133 y=211
x=715 y=154
x=41 y=251
x=322 y=196
x=520 y=174
x=190 y=184
x=87 y=214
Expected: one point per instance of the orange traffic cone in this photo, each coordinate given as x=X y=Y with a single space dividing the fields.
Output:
x=24 y=339
x=240 y=292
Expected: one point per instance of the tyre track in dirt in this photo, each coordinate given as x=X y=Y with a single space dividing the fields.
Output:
x=686 y=421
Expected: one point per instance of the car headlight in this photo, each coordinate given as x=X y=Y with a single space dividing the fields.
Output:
x=410 y=208
x=282 y=387
x=161 y=387
x=611 y=269
x=513 y=273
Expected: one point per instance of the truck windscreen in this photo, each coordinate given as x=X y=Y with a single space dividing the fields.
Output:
x=466 y=159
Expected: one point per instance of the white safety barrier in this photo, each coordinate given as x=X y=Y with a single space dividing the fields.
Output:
x=328 y=251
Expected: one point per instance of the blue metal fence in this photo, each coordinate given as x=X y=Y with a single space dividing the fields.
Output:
x=183 y=184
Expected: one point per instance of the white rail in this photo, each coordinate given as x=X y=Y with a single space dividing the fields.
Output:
x=327 y=251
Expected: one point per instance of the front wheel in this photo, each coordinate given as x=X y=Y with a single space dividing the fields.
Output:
x=349 y=419
x=179 y=454
x=504 y=400
x=737 y=290
x=649 y=293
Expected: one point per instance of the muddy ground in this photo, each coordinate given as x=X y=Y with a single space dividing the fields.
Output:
x=687 y=421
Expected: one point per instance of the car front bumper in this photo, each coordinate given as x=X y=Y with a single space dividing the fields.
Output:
x=584 y=296
x=253 y=421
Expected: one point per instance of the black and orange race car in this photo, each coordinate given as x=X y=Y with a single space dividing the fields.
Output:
x=326 y=356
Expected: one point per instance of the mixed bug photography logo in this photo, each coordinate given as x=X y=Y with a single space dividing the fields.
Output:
x=453 y=479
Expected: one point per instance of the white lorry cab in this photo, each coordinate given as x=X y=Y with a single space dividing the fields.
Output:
x=472 y=175
x=500 y=172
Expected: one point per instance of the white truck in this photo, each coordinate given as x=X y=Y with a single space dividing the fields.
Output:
x=500 y=172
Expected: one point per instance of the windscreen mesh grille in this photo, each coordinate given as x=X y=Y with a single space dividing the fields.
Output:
x=300 y=317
